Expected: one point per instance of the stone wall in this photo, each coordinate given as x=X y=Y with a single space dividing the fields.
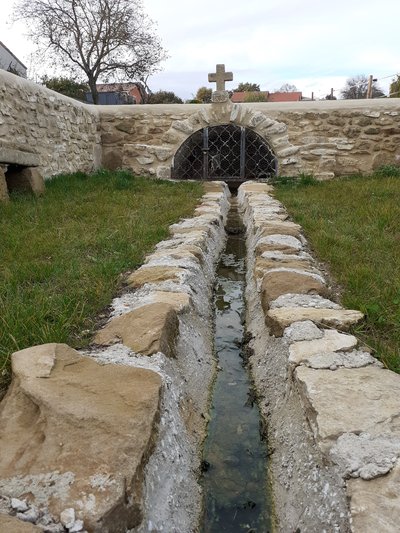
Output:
x=327 y=139
x=330 y=407
x=62 y=132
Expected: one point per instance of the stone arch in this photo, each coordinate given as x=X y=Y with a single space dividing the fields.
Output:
x=227 y=151
x=157 y=160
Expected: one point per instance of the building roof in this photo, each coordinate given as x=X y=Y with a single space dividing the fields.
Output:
x=240 y=97
x=285 y=97
x=14 y=56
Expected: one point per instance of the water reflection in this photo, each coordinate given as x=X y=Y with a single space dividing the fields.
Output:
x=235 y=457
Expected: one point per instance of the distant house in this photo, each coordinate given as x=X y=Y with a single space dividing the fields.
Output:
x=240 y=97
x=11 y=63
x=285 y=97
x=119 y=93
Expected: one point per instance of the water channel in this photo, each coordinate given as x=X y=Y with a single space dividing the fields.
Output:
x=234 y=455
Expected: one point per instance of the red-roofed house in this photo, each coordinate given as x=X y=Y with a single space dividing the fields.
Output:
x=256 y=96
x=135 y=90
x=285 y=97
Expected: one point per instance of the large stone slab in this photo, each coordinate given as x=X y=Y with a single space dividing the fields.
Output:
x=281 y=318
x=76 y=434
x=281 y=228
x=332 y=341
x=146 y=330
x=18 y=157
x=263 y=264
x=375 y=504
x=349 y=401
x=278 y=282
x=154 y=274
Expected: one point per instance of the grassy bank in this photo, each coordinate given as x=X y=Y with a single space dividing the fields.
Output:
x=62 y=255
x=353 y=224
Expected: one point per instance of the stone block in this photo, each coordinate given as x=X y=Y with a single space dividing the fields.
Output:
x=332 y=341
x=146 y=330
x=154 y=274
x=18 y=157
x=375 y=504
x=279 y=319
x=276 y=283
x=280 y=243
x=76 y=434
x=25 y=179
x=349 y=401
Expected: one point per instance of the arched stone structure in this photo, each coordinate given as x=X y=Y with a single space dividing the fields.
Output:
x=158 y=160
x=226 y=152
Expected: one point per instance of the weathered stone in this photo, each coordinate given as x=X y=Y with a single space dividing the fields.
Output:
x=219 y=97
x=375 y=504
x=283 y=243
x=256 y=187
x=180 y=301
x=349 y=401
x=281 y=228
x=183 y=126
x=335 y=360
x=278 y=282
x=145 y=160
x=80 y=437
x=279 y=319
x=263 y=265
x=365 y=456
x=146 y=330
x=18 y=157
x=11 y=524
x=302 y=331
x=213 y=186
x=154 y=274
x=304 y=300
x=163 y=173
x=332 y=341
x=3 y=187
x=26 y=179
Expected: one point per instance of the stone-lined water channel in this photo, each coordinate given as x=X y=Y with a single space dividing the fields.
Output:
x=234 y=455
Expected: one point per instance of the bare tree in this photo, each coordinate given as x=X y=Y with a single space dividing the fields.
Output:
x=357 y=86
x=103 y=38
x=288 y=88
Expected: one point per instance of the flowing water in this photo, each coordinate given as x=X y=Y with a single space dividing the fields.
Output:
x=234 y=456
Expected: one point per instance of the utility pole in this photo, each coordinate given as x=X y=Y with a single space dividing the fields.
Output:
x=369 y=89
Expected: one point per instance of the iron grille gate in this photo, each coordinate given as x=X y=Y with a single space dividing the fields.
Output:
x=226 y=152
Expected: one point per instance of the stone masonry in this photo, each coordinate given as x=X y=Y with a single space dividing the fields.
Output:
x=331 y=408
x=327 y=138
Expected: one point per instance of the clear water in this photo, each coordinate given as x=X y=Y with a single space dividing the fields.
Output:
x=234 y=456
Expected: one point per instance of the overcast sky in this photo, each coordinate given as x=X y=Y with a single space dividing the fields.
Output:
x=312 y=44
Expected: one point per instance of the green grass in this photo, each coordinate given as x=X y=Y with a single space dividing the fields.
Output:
x=62 y=255
x=353 y=224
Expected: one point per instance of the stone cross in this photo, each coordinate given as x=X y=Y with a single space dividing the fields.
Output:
x=220 y=77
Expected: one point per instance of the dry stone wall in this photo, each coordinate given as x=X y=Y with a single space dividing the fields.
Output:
x=108 y=440
x=330 y=406
x=58 y=133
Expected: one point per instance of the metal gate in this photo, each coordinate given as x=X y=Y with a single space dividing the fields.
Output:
x=227 y=152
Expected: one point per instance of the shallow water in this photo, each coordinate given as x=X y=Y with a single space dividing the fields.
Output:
x=234 y=456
